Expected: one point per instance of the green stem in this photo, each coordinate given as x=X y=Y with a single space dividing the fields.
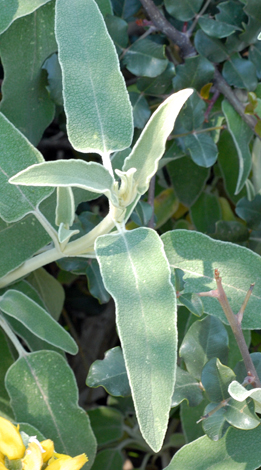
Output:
x=201 y=131
x=5 y=326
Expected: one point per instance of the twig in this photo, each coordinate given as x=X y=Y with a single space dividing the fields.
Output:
x=211 y=104
x=202 y=11
x=235 y=323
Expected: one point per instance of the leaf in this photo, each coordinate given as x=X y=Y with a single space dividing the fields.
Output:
x=215 y=425
x=216 y=29
x=198 y=255
x=17 y=305
x=191 y=116
x=110 y=373
x=7 y=360
x=206 y=212
x=108 y=459
x=97 y=120
x=65 y=173
x=196 y=72
x=242 y=415
x=118 y=30
x=241 y=134
x=95 y=282
x=46 y=383
x=240 y=73
x=15 y=9
x=189 y=417
x=188 y=179
x=13 y=254
x=146 y=58
x=65 y=207
x=250 y=211
x=157 y=85
x=255 y=57
x=193 y=303
x=165 y=206
x=204 y=340
x=236 y=451
x=125 y=9
x=239 y=393
x=186 y=388
x=201 y=148
x=145 y=309
x=231 y=13
x=184 y=11
x=105 y=7
x=211 y=48
x=152 y=140
x=54 y=77
x=141 y=110
x=23 y=49
x=230 y=231
x=49 y=289
x=215 y=379
x=12 y=161
x=253 y=8
x=107 y=424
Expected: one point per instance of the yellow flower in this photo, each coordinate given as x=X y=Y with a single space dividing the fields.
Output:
x=11 y=444
x=64 y=462
x=48 y=447
x=2 y=458
x=33 y=459
x=3 y=467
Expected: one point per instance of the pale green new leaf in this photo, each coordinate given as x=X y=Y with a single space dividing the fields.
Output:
x=17 y=305
x=98 y=109
x=16 y=153
x=44 y=394
x=150 y=146
x=65 y=206
x=239 y=393
x=136 y=273
x=13 y=9
x=23 y=49
x=241 y=134
x=65 y=173
x=199 y=255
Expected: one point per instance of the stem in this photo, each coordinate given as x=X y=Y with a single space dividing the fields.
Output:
x=107 y=162
x=211 y=104
x=242 y=308
x=218 y=407
x=194 y=24
x=47 y=227
x=201 y=131
x=151 y=29
x=5 y=326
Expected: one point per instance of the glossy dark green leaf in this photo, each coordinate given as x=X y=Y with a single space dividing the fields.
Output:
x=110 y=373
x=206 y=212
x=240 y=73
x=188 y=179
x=105 y=7
x=107 y=424
x=193 y=303
x=49 y=289
x=54 y=77
x=215 y=379
x=242 y=414
x=142 y=213
x=201 y=148
x=255 y=57
x=250 y=211
x=24 y=47
x=189 y=417
x=54 y=409
x=229 y=165
x=211 y=48
x=95 y=282
x=230 y=231
x=253 y=8
x=125 y=8
x=241 y=134
x=146 y=58
x=141 y=110
x=7 y=359
x=215 y=425
x=196 y=72
x=204 y=340
x=157 y=85
x=191 y=116
x=216 y=29
x=183 y=11
x=186 y=388
x=108 y=459
x=118 y=30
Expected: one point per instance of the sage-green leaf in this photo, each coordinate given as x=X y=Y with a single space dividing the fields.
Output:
x=23 y=49
x=201 y=148
x=206 y=212
x=107 y=424
x=198 y=255
x=44 y=381
x=65 y=207
x=17 y=305
x=16 y=153
x=17 y=243
x=215 y=379
x=183 y=11
x=239 y=393
x=240 y=73
x=110 y=373
x=146 y=58
x=186 y=388
x=145 y=309
x=204 y=340
x=237 y=450
x=150 y=146
x=188 y=179
x=65 y=173
x=194 y=73
x=14 y=9
x=96 y=102
x=108 y=459
x=241 y=134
